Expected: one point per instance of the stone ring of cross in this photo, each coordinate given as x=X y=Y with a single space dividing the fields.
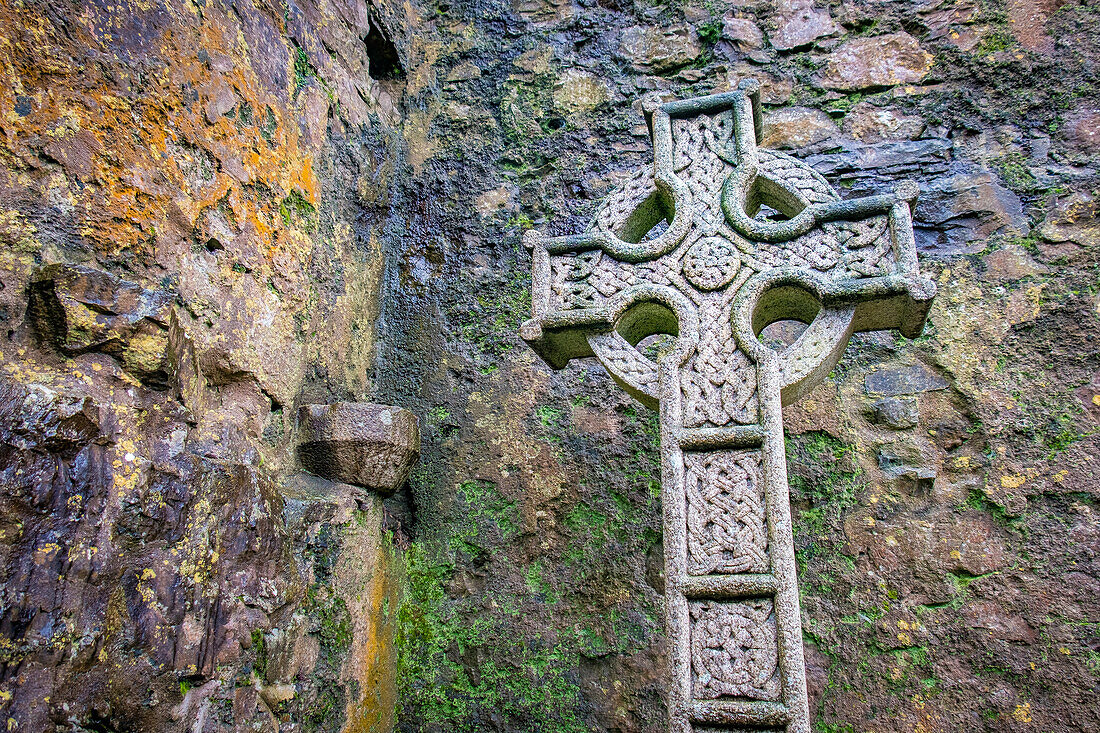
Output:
x=714 y=243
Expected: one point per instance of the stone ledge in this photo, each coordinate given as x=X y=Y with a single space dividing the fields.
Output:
x=367 y=445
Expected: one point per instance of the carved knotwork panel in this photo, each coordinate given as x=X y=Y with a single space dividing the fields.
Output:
x=734 y=652
x=718 y=385
x=727 y=529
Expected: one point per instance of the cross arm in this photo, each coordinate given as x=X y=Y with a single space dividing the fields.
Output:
x=556 y=334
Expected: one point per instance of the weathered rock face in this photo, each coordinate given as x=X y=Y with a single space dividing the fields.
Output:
x=213 y=214
x=80 y=309
x=189 y=250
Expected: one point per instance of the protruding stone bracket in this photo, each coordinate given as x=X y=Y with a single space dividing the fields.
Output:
x=363 y=444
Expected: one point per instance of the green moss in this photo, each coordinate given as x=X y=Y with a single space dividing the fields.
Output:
x=807 y=61
x=491 y=322
x=645 y=453
x=867 y=617
x=710 y=32
x=823 y=473
x=494 y=625
x=538 y=585
x=1063 y=440
x=912 y=655
x=244 y=115
x=334 y=629
x=1048 y=415
x=303 y=70
x=260 y=665
x=583 y=519
x=1016 y=173
x=526 y=112
x=844 y=105
x=442 y=690
x=1062 y=429
x=269 y=126
x=520 y=221
x=296 y=210
x=550 y=417
x=485 y=518
x=612 y=632
x=962 y=580
x=999 y=39
x=979 y=501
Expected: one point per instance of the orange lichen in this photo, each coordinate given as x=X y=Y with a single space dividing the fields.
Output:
x=370 y=586
x=142 y=167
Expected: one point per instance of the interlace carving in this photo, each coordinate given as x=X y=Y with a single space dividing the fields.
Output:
x=734 y=650
x=713 y=243
x=726 y=532
x=711 y=263
x=718 y=386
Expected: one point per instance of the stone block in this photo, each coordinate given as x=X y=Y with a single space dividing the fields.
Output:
x=660 y=50
x=1012 y=263
x=1083 y=128
x=874 y=63
x=742 y=33
x=907 y=474
x=906 y=380
x=870 y=124
x=897 y=413
x=368 y=445
x=799 y=24
x=797 y=127
x=579 y=91
x=959 y=213
x=885 y=161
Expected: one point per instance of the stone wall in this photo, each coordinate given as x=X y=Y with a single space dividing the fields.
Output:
x=943 y=492
x=212 y=213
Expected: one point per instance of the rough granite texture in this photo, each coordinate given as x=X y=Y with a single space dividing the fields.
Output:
x=214 y=213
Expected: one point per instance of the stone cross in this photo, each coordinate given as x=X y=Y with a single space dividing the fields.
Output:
x=715 y=242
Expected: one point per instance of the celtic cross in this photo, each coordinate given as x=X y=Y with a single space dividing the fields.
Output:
x=715 y=242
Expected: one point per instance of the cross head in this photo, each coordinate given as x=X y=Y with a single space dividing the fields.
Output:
x=716 y=241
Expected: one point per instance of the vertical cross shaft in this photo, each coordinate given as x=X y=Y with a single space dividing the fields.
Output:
x=713 y=244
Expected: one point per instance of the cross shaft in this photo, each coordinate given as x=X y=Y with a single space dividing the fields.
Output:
x=683 y=249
